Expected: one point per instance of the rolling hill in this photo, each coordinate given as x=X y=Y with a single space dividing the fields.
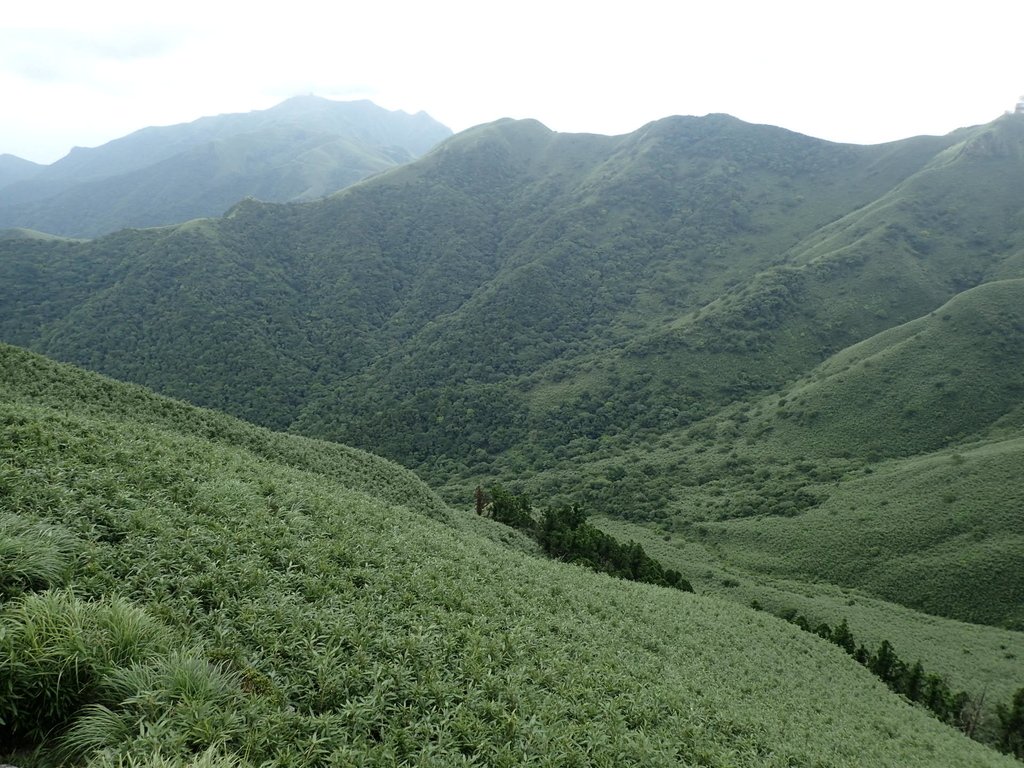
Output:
x=182 y=588
x=725 y=330
x=304 y=148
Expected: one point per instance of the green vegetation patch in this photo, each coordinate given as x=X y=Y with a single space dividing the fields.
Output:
x=282 y=617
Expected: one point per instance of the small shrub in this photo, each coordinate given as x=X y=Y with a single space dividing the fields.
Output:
x=32 y=557
x=181 y=704
x=55 y=648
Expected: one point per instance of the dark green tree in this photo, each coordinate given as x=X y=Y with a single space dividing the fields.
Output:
x=912 y=682
x=937 y=697
x=1011 y=726
x=564 y=533
x=886 y=664
x=862 y=655
x=843 y=637
x=512 y=510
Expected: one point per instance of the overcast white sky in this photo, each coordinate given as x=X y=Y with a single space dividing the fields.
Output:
x=83 y=73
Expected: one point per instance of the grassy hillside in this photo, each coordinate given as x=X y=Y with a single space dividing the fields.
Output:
x=700 y=322
x=942 y=533
x=249 y=609
x=939 y=531
x=891 y=467
x=983 y=660
x=36 y=380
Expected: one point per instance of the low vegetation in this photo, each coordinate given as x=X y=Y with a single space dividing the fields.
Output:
x=985 y=662
x=206 y=604
x=785 y=371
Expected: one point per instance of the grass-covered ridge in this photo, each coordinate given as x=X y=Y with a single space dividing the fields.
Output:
x=938 y=527
x=893 y=467
x=275 y=612
x=42 y=382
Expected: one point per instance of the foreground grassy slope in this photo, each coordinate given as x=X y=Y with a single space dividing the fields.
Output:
x=40 y=381
x=982 y=660
x=272 y=612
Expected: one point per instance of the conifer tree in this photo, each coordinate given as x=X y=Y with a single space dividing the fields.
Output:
x=1011 y=726
x=843 y=637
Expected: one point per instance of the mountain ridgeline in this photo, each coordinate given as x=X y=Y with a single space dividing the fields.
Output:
x=722 y=328
x=301 y=149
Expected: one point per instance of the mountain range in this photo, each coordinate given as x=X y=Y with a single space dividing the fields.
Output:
x=791 y=368
x=303 y=148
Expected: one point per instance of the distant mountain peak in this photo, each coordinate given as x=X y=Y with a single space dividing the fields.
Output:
x=305 y=147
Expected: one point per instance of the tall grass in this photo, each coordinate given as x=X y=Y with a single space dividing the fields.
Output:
x=55 y=648
x=180 y=704
x=226 y=600
x=32 y=557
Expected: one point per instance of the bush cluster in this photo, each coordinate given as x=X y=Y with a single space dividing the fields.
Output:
x=565 y=534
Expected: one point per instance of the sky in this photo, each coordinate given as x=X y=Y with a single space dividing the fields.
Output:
x=82 y=74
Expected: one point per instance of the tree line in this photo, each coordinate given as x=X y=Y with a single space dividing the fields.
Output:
x=957 y=708
x=564 y=533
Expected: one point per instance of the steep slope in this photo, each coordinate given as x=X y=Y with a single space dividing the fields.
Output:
x=977 y=658
x=891 y=467
x=433 y=264
x=253 y=610
x=304 y=148
x=941 y=533
x=936 y=380
x=939 y=530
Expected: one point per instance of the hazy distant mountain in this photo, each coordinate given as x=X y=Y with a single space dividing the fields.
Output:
x=13 y=168
x=301 y=149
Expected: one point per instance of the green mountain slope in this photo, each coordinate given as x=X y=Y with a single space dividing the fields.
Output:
x=933 y=381
x=700 y=321
x=449 y=284
x=251 y=609
x=941 y=533
x=938 y=527
x=302 y=149
x=984 y=660
x=891 y=467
